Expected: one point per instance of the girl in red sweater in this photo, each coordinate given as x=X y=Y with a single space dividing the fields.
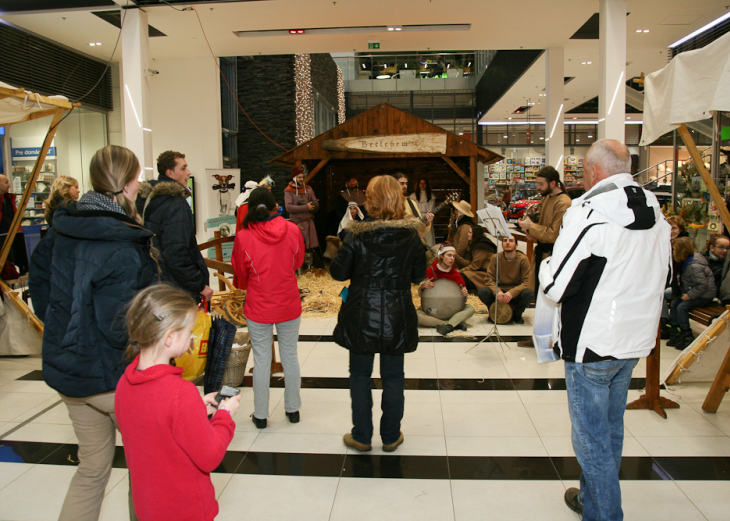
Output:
x=170 y=445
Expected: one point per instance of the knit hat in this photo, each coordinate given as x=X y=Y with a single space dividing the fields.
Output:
x=445 y=246
x=296 y=171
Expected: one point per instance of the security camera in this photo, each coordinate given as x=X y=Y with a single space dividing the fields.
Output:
x=152 y=72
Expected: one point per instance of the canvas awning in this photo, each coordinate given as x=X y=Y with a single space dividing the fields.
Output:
x=689 y=88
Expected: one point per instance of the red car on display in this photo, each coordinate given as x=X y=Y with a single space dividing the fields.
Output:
x=517 y=209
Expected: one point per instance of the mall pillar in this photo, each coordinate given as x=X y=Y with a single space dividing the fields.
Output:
x=612 y=73
x=554 y=108
x=135 y=88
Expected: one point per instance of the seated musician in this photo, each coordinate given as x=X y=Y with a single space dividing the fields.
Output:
x=443 y=268
x=473 y=266
x=514 y=274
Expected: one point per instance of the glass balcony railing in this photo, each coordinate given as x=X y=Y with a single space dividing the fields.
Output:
x=407 y=66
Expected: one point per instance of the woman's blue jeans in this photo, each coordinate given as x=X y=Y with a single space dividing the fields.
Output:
x=393 y=377
x=679 y=310
x=597 y=394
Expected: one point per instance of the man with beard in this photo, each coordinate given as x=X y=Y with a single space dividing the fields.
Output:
x=412 y=211
x=552 y=208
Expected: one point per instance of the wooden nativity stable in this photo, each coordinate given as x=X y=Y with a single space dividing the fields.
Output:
x=384 y=140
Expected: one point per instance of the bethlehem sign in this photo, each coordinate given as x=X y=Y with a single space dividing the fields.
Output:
x=403 y=144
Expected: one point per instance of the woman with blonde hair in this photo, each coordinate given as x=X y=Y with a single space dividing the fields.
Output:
x=100 y=257
x=64 y=188
x=381 y=256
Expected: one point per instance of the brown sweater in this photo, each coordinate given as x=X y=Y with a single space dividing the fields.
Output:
x=476 y=271
x=513 y=275
x=552 y=209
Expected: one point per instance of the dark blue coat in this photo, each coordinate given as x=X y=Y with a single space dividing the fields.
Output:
x=96 y=263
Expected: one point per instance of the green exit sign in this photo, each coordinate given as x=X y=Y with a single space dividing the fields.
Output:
x=725 y=133
x=373 y=45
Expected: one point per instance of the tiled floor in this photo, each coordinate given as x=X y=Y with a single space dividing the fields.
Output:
x=487 y=437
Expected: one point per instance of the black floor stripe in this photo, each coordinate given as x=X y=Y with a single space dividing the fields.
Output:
x=510 y=468
x=424 y=338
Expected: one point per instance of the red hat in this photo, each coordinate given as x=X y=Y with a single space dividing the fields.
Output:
x=445 y=246
x=296 y=171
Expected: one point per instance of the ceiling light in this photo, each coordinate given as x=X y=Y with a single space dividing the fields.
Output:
x=701 y=30
x=542 y=138
x=300 y=31
x=589 y=63
x=577 y=140
x=509 y=117
x=448 y=65
x=575 y=118
x=383 y=76
x=469 y=64
x=582 y=63
x=646 y=30
x=398 y=28
x=92 y=44
x=406 y=65
x=363 y=65
x=638 y=30
x=390 y=28
x=590 y=136
x=505 y=137
x=628 y=117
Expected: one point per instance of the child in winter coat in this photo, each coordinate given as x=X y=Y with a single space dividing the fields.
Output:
x=170 y=444
x=697 y=285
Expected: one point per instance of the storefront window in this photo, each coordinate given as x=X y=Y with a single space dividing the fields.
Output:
x=79 y=136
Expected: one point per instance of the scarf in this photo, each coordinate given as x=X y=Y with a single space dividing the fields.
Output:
x=97 y=201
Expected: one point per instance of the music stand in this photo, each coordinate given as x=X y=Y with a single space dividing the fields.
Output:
x=494 y=222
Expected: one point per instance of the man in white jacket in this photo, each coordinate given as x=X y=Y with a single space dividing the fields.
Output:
x=608 y=271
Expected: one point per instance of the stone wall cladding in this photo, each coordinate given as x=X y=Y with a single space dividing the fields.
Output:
x=324 y=77
x=266 y=92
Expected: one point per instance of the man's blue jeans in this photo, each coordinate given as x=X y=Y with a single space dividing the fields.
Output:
x=393 y=378
x=597 y=400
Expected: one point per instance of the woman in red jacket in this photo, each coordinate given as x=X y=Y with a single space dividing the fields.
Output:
x=267 y=252
x=170 y=445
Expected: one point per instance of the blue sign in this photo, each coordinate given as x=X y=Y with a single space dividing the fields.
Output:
x=23 y=153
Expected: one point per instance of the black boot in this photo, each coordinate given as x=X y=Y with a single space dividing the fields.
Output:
x=674 y=334
x=685 y=338
x=666 y=331
x=444 y=329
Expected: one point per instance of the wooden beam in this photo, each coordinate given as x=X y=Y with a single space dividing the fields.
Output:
x=214 y=242
x=18 y=303
x=316 y=169
x=456 y=169
x=30 y=186
x=474 y=186
x=706 y=177
x=220 y=266
x=31 y=97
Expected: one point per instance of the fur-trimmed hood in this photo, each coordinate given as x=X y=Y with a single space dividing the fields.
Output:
x=385 y=238
x=368 y=225
x=155 y=188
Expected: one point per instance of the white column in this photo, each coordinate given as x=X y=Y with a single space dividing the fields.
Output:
x=135 y=88
x=554 y=108
x=612 y=75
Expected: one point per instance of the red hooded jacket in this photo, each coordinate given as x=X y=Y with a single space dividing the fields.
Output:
x=170 y=445
x=268 y=254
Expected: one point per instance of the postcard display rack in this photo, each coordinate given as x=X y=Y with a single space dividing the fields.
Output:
x=512 y=172
x=24 y=157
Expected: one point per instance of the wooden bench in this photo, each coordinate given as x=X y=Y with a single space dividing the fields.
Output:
x=704 y=314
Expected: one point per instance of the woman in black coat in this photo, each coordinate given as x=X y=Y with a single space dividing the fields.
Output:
x=100 y=257
x=381 y=256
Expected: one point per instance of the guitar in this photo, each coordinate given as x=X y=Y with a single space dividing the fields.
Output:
x=453 y=196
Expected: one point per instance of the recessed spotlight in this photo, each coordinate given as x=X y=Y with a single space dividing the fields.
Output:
x=582 y=63
x=398 y=28
x=628 y=117
x=505 y=137
x=92 y=44
x=638 y=30
x=363 y=65
x=589 y=63
x=575 y=118
x=98 y=43
x=590 y=136
x=577 y=140
x=509 y=117
x=646 y=30
x=469 y=64
x=390 y=28
x=542 y=138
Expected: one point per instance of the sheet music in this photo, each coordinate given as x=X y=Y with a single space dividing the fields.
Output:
x=493 y=220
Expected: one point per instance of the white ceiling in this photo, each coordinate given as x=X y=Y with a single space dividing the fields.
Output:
x=503 y=24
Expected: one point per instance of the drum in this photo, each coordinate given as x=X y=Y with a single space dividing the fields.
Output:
x=503 y=312
x=444 y=300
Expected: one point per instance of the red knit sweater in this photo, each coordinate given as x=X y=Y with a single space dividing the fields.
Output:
x=170 y=445
x=434 y=272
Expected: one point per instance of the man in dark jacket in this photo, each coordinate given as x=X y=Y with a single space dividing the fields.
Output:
x=166 y=213
x=17 y=255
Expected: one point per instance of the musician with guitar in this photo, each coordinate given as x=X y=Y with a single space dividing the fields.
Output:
x=411 y=207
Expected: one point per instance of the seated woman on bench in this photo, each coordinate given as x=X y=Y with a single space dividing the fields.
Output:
x=697 y=285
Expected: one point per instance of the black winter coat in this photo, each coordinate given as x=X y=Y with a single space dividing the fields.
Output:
x=98 y=261
x=168 y=215
x=381 y=259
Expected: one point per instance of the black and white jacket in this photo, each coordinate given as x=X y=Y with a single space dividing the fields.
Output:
x=608 y=270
